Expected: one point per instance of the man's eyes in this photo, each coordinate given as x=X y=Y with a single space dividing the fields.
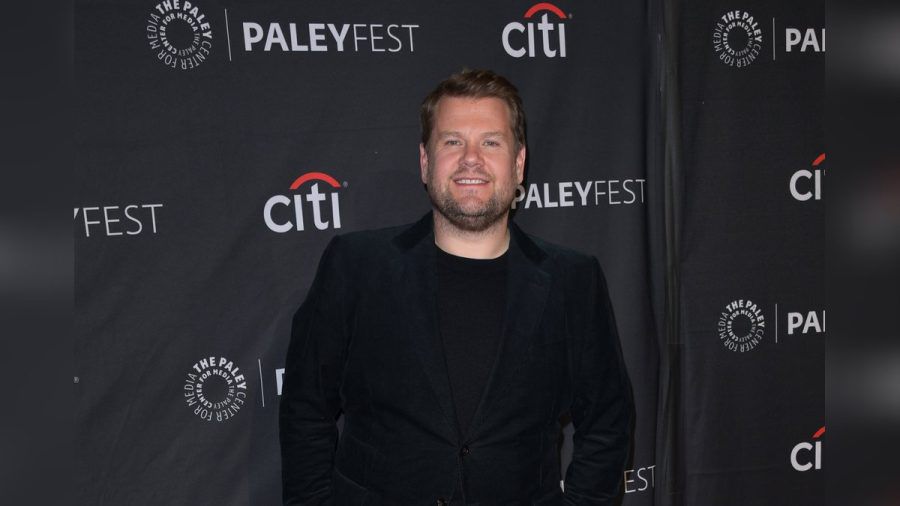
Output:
x=456 y=142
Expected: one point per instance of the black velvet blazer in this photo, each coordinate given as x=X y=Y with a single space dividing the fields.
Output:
x=365 y=343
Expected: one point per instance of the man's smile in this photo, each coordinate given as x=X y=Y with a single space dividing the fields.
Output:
x=470 y=181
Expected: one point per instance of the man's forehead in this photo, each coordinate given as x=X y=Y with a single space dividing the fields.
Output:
x=491 y=133
x=485 y=109
x=451 y=101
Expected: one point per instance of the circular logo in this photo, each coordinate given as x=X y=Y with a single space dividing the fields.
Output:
x=737 y=38
x=741 y=325
x=179 y=34
x=215 y=389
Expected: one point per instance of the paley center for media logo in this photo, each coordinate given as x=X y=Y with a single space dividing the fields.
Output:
x=806 y=184
x=742 y=324
x=580 y=193
x=738 y=38
x=283 y=213
x=807 y=455
x=537 y=35
x=215 y=388
x=179 y=34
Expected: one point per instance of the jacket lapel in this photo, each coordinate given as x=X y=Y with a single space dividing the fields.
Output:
x=419 y=298
x=527 y=289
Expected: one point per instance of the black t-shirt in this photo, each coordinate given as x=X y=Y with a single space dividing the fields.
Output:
x=471 y=300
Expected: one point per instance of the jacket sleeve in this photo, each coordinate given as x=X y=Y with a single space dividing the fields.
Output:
x=602 y=407
x=310 y=401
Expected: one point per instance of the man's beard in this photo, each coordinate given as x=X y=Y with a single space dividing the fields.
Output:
x=471 y=219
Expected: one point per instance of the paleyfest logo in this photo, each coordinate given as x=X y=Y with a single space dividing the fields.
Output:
x=579 y=193
x=215 y=389
x=325 y=37
x=179 y=34
x=640 y=479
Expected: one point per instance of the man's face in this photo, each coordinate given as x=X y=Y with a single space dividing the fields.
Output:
x=471 y=165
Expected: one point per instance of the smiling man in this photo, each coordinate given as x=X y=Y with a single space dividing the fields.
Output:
x=453 y=346
x=471 y=168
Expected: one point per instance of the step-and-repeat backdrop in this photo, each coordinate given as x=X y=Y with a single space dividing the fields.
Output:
x=220 y=145
x=747 y=388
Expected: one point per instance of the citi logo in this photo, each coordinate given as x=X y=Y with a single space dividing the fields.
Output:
x=519 y=39
x=806 y=456
x=278 y=209
x=806 y=184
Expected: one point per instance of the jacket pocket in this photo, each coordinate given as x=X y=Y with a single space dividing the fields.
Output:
x=552 y=498
x=356 y=459
x=347 y=492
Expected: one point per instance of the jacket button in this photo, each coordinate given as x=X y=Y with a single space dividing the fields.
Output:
x=464 y=451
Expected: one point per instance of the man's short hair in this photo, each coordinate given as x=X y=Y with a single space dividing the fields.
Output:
x=475 y=83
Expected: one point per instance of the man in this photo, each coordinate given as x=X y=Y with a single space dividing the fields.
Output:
x=453 y=346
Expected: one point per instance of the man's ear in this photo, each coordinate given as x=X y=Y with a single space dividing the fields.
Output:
x=423 y=163
x=520 y=165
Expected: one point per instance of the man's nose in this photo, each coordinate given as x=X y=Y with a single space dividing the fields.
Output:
x=472 y=154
